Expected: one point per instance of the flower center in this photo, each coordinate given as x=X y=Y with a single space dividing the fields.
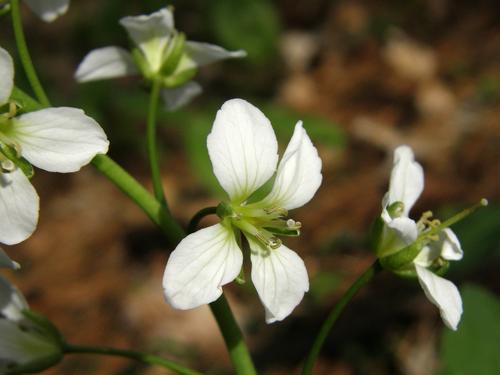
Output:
x=262 y=224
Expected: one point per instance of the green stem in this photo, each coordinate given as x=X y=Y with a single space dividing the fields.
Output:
x=24 y=55
x=133 y=189
x=233 y=337
x=238 y=351
x=335 y=313
x=138 y=356
x=151 y=143
x=195 y=220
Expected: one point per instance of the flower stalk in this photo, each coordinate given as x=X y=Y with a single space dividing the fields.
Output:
x=24 y=55
x=131 y=354
x=151 y=144
x=335 y=314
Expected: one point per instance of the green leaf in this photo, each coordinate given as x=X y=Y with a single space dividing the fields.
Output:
x=478 y=234
x=320 y=129
x=323 y=284
x=473 y=348
x=252 y=25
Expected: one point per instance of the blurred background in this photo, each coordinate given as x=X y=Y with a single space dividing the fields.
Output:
x=364 y=76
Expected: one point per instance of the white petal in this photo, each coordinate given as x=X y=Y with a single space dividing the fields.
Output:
x=175 y=98
x=18 y=207
x=405 y=228
x=7 y=74
x=407 y=179
x=442 y=293
x=199 y=54
x=6 y=262
x=12 y=302
x=48 y=10
x=22 y=346
x=451 y=249
x=104 y=63
x=427 y=256
x=200 y=265
x=280 y=278
x=60 y=139
x=299 y=172
x=243 y=148
x=151 y=33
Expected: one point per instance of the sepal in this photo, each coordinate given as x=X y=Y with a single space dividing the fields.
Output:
x=402 y=259
x=174 y=55
x=45 y=326
x=179 y=78
x=12 y=154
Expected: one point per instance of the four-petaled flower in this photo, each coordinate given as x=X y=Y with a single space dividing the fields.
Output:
x=243 y=150
x=48 y=10
x=161 y=53
x=435 y=250
x=55 y=139
x=29 y=343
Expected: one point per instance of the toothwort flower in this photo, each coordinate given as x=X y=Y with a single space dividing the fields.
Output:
x=55 y=139
x=26 y=339
x=161 y=52
x=431 y=246
x=48 y=10
x=243 y=150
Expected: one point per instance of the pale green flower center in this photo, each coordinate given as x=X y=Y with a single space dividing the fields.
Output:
x=262 y=224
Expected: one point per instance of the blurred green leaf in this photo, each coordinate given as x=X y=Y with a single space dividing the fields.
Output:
x=478 y=234
x=252 y=25
x=321 y=130
x=323 y=284
x=473 y=348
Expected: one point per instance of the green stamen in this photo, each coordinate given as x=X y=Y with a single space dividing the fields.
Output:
x=437 y=227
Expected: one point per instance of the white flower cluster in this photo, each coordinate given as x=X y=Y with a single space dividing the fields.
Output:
x=160 y=52
x=434 y=250
x=59 y=139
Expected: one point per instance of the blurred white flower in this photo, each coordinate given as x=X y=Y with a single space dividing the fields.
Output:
x=48 y=10
x=244 y=154
x=160 y=52
x=24 y=342
x=55 y=139
x=435 y=250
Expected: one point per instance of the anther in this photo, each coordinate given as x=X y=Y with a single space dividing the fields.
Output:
x=7 y=165
x=292 y=224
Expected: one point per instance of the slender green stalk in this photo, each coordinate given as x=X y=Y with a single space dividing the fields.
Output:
x=334 y=315
x=151 y=143
x=24 y=55
x=195 y=220
x=235 y=343
x=138 y=356
x=129 y=185
x=238 y=351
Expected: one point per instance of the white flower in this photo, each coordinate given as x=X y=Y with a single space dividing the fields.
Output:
x=23 y=341
x=406 y=185
x=161 y=52
x=244 y=154
x=48 y=10
x=55 y=139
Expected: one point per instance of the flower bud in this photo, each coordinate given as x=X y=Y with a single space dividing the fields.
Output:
x=28 y=341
